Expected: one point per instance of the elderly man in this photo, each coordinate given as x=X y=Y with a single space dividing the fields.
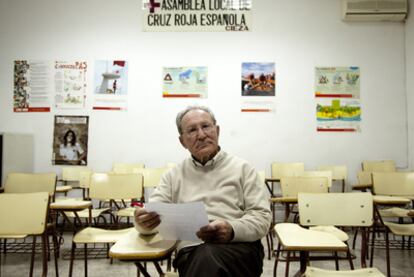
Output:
x=233 y=195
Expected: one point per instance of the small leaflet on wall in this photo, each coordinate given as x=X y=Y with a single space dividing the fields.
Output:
x=184 y=82
x=70 y=140
x=338 y=115
x=111 y=85
x=258 y=80
x=70 y=84
x=196 y=15
x=258 y=106
x=337 y=82
x=33 y=86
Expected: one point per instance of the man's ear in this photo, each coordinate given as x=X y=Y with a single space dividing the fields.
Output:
x=182 y=141
x=218 y=130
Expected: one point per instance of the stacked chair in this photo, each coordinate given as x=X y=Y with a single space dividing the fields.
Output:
x=393 y=194
x=27 y=183
x=104 y=186
x=369 y=166
x=339 y=173
x=279 y=170
x=22 y=223
x=70 y=179
x=319 y=212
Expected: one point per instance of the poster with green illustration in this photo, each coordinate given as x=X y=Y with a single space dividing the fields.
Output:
x=338 y=115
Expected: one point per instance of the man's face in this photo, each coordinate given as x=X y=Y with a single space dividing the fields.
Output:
x=200 y=135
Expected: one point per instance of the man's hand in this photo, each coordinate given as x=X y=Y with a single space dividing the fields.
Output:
x=216 y=231
x=146 y=220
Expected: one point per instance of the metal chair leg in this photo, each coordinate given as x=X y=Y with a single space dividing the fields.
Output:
x=32 y=257
x=85 y=252
x=72 y=257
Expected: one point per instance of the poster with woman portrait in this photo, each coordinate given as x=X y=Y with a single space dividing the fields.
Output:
x=70 y=140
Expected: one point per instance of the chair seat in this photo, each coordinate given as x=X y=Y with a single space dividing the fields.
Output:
x=390 y=200
x=10 y=236
x=63 y=189
x=85 y=213
x=395 y=212
x=364 y=272
x=362 y=187
x=69 y=201
x=294 y=237
x=171 y=274
x=127 y=212
x=284 y=199
x=400 y=229
x=332 y=230
x=98 y=235
x=134 y=246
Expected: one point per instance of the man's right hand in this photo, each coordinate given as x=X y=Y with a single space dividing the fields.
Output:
x=146 y=220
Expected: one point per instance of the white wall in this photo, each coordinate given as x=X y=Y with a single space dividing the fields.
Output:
x=296 y=35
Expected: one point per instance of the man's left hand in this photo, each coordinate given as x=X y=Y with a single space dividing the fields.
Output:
x=216 y=231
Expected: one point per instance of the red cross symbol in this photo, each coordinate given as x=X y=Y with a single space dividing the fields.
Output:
x=153 y=5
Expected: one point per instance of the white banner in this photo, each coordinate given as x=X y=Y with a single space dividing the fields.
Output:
x=196 y=15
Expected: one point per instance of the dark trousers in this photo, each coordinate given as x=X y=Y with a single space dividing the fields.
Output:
x=221 y=259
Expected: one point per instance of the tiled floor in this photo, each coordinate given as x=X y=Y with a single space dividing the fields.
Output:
x=18 y=265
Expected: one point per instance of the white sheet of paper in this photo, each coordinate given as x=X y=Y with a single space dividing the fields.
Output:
x=179 y=221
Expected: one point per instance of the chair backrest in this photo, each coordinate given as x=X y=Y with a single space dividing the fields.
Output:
x=71 y=174
x=338 y=209
x=291 y=186
x=379 y=166
x=105 y=186
x=393 y=183
x=152 y=176
x=364 y=178
x=126 y=167
x=339 y=172
x=30 y=182
x=23 y=213
x=280 y=170
x=85 y=179
x=319 y=173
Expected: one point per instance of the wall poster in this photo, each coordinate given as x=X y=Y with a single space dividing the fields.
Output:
x=258 y=80
x=38 y=84
x=33 y=88
x=337 y=82
x=185 y=82
x=337 y=92
x=338 y=115
x=70 y=84
x=111 y=85
x=70 y=140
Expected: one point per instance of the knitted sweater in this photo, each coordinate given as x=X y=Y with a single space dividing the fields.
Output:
x=230 y=189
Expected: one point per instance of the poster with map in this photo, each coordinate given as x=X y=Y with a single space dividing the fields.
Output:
x=185 y=82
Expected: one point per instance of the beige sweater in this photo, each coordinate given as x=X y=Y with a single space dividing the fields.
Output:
x=230 y=189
